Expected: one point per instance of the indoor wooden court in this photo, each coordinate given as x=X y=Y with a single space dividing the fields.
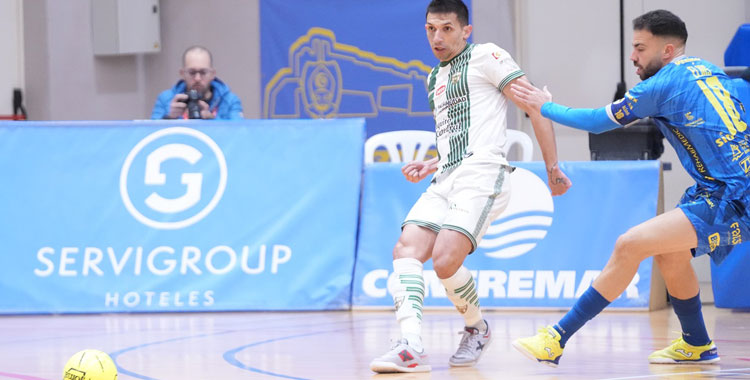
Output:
x=339 y=345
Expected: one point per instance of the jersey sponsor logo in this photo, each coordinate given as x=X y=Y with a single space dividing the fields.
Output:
x=496 y=55
x=725 y=138
x=525 y=221
x=449 y=103
x=697 y=160
x=169 y=180
x=455 y=77
x=692 y=121
x=440 y=90
x=686 y=60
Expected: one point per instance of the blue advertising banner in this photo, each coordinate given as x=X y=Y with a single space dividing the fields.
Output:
x=541 y=252
x=334 y=58
x=178 y=216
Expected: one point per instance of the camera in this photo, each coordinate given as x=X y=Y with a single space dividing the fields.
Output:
x=193 y=107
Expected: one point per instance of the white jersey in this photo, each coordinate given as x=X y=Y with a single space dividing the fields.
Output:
x=466 y=98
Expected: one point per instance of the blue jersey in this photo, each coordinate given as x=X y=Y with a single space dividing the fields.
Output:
x=695 y=106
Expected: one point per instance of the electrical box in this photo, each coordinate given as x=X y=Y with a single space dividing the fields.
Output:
x=125 y=26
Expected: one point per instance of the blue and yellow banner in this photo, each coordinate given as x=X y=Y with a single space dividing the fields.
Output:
x=336 y=59
x=178 y=215
x=541 y=252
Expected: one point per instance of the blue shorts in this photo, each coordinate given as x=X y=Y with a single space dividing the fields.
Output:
x=719 y=223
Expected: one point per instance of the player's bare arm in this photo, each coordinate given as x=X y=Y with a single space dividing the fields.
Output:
x=557 y=180
x=531 y=96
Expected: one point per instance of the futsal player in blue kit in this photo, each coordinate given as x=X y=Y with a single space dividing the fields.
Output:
x=694 y=105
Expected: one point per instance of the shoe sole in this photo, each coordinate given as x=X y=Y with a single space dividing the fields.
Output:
x=470 y=364
x=672 y=361
x=388 y=367
x=520 y=348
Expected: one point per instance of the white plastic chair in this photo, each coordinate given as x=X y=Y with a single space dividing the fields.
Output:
x=409 y=140
x=522 y=140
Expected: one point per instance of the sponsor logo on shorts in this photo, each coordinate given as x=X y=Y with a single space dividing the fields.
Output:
x=713 y=241
x=455 y=207
x=736 y=233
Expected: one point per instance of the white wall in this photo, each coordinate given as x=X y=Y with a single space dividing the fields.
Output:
x=11 y=46
x=64 y=80
x=494 y=21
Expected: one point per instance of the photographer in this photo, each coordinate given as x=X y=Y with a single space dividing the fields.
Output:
x=199 y=94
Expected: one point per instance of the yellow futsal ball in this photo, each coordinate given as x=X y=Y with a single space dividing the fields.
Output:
x=90 y=365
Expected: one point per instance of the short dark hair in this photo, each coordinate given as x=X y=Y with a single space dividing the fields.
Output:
x=450 y=6
x=662 y=23
x=198 y=48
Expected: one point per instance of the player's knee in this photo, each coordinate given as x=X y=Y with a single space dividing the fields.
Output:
x=445 y=265
x=405 y=250
x=401 y=250
x=629 y=247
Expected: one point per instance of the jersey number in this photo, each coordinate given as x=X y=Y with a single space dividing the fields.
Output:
x=712 y=89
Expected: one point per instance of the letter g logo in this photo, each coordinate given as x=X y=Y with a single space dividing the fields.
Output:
x=177 y=183
x=154 y=176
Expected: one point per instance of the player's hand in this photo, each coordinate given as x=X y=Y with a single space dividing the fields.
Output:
x=416 y=171
x=558 y=182
x=530 y=95
x=177 y=106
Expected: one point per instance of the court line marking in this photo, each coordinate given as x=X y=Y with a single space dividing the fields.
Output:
x=125 y=371
x=231 y=359
x=231 y=355
x=284 y=322
x=19 y=376
x=714 y=372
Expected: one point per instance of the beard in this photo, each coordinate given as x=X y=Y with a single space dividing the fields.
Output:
x=650 y=69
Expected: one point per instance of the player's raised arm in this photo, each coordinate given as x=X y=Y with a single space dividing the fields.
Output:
x=557 y=180
x=540 y=102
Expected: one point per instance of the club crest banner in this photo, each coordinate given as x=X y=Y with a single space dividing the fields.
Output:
x=338 y=59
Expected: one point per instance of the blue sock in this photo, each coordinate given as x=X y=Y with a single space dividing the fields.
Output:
x=689 y=313
x=588 y=306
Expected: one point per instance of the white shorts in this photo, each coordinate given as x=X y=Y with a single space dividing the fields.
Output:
x=465 y=200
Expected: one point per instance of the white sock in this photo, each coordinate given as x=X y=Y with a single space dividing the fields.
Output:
x=407 y=288
x=462 y=291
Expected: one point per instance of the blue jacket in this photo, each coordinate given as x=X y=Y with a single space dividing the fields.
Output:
x=224 y=104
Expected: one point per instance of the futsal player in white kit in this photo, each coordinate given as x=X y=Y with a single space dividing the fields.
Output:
x=468 y=92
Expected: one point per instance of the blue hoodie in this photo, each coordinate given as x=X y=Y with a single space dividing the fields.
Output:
x=224 y=104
